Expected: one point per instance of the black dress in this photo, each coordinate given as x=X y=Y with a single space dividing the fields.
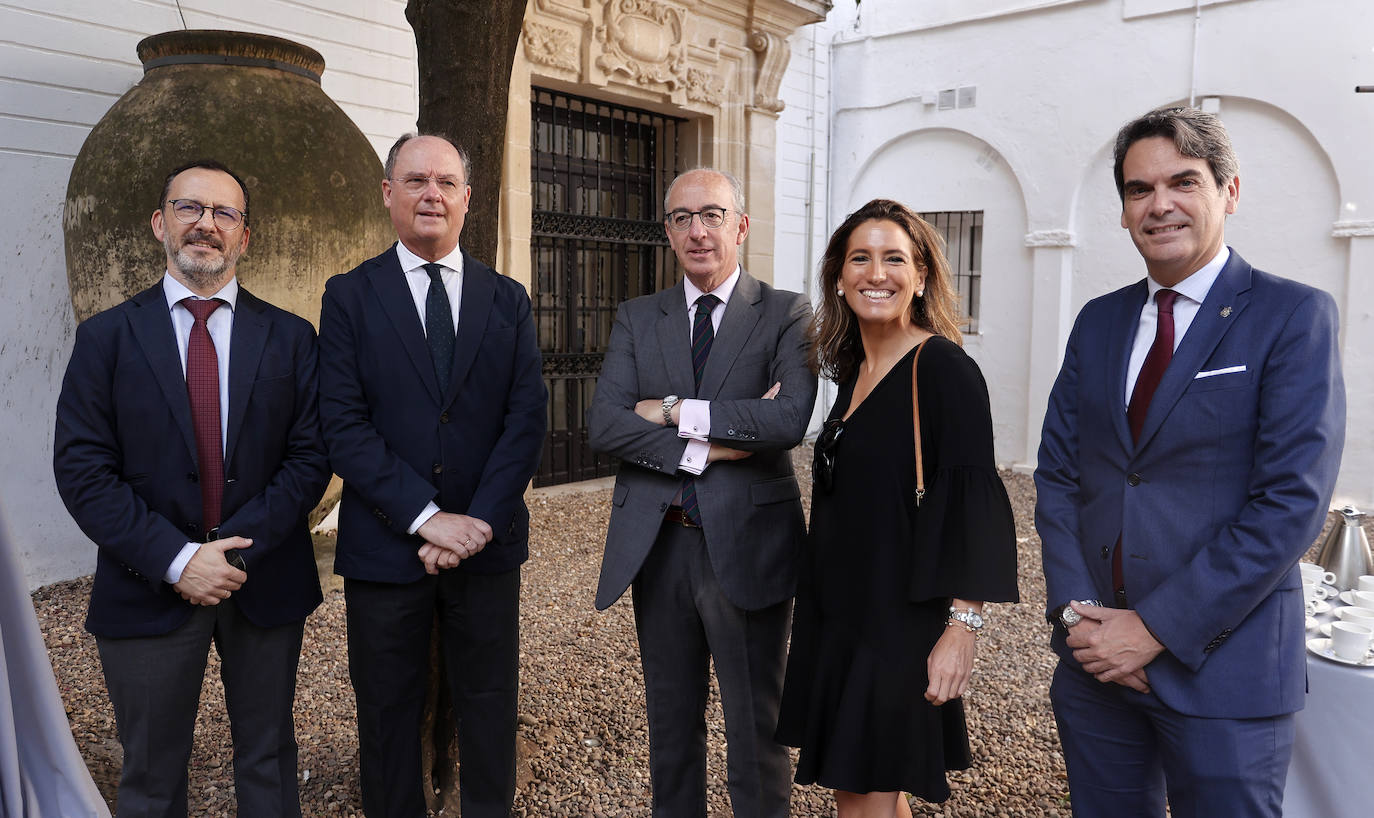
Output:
x=878 y=574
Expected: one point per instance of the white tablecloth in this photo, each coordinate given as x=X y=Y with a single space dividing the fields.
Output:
x=1331 y=775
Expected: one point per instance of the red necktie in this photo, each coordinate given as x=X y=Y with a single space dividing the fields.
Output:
x=1161 y=352
x=202 y=386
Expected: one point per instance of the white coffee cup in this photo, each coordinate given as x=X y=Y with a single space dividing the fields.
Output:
x=1363 y=599
x=1365 y=583
x=1358 y=616
x=1314 y=592
x=1311 y=570
x=1350 y=641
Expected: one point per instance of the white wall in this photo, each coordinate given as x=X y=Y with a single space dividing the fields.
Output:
x=1054 y=81
x=63 y=63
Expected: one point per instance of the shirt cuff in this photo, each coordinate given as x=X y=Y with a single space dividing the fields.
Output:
x=694 y=419
x=694 y=456
x=173 y=575
x=430 y=510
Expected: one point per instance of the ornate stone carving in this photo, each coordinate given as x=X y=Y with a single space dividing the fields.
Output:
x=645 y=40
x=551 y=46
x=704 y=86
x=774 y=52
x=1050 y=238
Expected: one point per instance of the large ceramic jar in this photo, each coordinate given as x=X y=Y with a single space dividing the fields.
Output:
x=253 y=102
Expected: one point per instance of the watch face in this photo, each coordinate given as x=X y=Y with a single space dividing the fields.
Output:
x=975 y=620
x=1070 y=617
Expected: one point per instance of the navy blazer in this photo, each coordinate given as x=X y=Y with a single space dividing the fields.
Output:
x=398 y=443
x=1227 y=487
x=124 y=456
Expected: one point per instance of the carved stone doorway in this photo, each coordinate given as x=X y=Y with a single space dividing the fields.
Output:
x=598 y=175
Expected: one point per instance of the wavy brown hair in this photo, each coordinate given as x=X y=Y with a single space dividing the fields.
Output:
x=836 y=349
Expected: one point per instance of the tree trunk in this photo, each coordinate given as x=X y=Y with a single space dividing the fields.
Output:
x=465 y=50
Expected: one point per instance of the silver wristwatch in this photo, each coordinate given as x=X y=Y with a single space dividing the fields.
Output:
x=668 y=404
x=969 y=618
x=1069 y=617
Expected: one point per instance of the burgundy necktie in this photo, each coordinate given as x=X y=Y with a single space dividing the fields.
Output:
x=202 y=386
x=1161 y=352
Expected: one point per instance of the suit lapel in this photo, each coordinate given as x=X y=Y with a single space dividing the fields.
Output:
x=246 y=344
x=474 y=308
x=1122 y=335
x=152 y=327
x=675 y=340
x=389 y=283
x=735 y=328
x=1231 y=290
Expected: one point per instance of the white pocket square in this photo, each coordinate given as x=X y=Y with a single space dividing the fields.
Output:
x=1225 y=370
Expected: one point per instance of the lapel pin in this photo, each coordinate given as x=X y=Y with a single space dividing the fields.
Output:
x=1225 y=312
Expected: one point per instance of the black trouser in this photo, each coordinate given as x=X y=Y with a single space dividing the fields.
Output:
x=154 y=684
x=388 y=662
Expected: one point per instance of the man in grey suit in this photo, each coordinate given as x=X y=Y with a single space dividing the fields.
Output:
x=704 y=390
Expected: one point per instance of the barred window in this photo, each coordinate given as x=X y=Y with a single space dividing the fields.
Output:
x=963 y=234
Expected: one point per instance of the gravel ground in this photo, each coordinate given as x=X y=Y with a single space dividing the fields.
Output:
x=583 y=738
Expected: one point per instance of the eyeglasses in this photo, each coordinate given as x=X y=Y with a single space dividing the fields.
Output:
x=711 y=218
x=448 y=185
x=823 y=468
x=190 y=211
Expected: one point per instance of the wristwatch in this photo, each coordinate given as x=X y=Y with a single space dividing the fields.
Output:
x=969 y=618
x=668 y=404
x=1069 y=617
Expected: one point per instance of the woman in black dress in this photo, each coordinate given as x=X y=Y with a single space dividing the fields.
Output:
x=891 y=594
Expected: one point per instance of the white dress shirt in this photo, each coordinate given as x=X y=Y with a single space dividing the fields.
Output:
x=694 y=416
x=418 y=280
x=1191 y=293
x=220 y=325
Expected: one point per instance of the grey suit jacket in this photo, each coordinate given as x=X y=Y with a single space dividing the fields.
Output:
x=751 y=508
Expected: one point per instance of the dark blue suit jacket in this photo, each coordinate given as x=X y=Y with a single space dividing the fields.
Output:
x=125 y=460
x=398 y=443
x=1226 y=488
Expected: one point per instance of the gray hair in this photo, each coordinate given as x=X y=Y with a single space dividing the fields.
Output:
x=1196 y=134
x=390 y=165
x=736 y=188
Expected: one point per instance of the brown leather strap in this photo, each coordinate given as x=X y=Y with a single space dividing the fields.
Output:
x=916 y=428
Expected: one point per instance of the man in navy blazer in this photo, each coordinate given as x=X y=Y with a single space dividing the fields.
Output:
x=173 y=574
x=433 y=406
x=1187 y=461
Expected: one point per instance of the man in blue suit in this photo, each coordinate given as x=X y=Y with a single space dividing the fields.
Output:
x=188 y=449
x=1187 y=460
x=433 y=406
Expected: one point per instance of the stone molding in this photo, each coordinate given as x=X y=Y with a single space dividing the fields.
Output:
x=1362 y=228
x=1051 y=238
x=773 y=54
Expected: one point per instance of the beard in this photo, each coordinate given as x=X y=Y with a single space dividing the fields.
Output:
x=204 y=273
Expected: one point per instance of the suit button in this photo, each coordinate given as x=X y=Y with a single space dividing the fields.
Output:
x=443 y=418
x=438 y=468
x=662 y=506
x=1106 y=552
x=731 y=432
x=1133 y=479
x=193 y=477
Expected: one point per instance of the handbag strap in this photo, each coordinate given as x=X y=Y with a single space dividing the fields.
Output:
x=916 y=428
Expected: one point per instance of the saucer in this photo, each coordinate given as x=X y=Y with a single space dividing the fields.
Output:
x=1322 y=648
x=1312 y=623
x=1325 y=629
x=1321 y=606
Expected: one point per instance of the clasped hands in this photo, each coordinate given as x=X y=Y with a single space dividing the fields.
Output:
x=1114 y=645
x=450 y=539
x=651 y=409
x=208 y=578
